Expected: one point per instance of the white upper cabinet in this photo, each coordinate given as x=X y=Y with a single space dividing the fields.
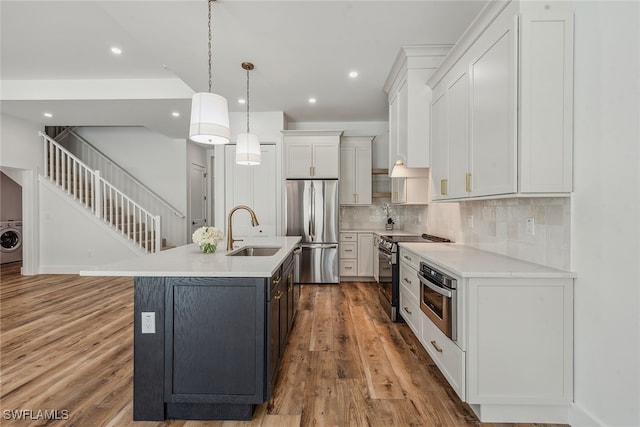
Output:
x=355 y=170
x=409 y=104
x=502 y=105
x=312 y=154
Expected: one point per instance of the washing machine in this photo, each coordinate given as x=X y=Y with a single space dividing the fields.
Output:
x=10 y=241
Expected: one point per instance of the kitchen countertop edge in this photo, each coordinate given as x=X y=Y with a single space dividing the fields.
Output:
x=189 y=261
x=469 y=262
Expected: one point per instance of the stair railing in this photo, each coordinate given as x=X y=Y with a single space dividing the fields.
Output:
x=73 y=133
x=105 y=201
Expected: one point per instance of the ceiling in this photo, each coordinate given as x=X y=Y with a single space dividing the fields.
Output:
x=55 y=57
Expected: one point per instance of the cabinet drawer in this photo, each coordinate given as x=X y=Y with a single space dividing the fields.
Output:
x=410 y=258
x=448 y=356
x=409 y=279
x=410 y=310
x=349 y=250
x=348 y=267
x=348 y=237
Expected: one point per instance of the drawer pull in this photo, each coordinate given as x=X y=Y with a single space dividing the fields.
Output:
x=278 y=295
x=435 y=345
x=407 y=257
x=348 y=250
x=349 y=268
x=408 y=311
x=407 y=280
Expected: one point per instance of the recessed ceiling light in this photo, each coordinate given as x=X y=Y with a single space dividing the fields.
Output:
x=312 y=100
x=353 y=74
x=241 y=101
x=48 y=115
x=116 y=50
x=175 y=114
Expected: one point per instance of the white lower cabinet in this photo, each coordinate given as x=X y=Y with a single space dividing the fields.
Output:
x=446 y=354
x=356 y=254
x=513 y=359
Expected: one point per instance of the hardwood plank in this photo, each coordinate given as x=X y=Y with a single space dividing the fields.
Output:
x=382 y=381
x=322 y=327
x=320 y=397
x=348 y=361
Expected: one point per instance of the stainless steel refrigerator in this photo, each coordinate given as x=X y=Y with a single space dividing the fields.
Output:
x=312 y=212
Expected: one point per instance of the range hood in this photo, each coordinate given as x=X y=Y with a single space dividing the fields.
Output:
x=399 y=170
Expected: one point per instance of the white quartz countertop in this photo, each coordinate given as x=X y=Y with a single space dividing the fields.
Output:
x=380 y=231
x=189 y=261
x=466 y=261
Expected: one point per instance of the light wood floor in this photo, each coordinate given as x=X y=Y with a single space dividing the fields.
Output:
x=66 y=344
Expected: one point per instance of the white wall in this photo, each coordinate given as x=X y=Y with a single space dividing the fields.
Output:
x=71 y=239
x=152 y=158
x=20 y=145
x=10 y=199
x=606 y=214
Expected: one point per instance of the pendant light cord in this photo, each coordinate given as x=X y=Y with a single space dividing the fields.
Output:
x=210 y=53
x=248 y=101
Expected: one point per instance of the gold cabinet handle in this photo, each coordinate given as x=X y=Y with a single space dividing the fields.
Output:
x=276 y=281
x=468 y=182
x=407 y=310
x=435 y=345
x=278 y=295
x=407 y=280
x=443 y=187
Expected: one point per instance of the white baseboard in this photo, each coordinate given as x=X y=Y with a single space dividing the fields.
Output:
x=580 y=417
x=63 y=269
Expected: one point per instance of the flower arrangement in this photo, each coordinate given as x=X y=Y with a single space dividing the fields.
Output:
x=386 y=209
x=207 y=238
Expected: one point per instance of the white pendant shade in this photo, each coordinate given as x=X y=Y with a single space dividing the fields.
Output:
x=248 y=149
x=209 y=119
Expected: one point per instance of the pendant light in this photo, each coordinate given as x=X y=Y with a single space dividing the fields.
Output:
x=248 y=145
x=209 y=111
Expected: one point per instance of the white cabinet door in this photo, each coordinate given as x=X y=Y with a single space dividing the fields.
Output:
x=363 y=175
x=326 y=161
x=398 y=190
x=348 y=176
x=403 y=122
x=365 y=254
x=439 y=147
x=299 y=160
x=394 y=107
x=493 y=89
x=458 y=133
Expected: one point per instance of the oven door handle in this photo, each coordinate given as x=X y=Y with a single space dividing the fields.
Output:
x=435 y=288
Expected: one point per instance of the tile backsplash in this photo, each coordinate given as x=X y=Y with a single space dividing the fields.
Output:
x=498 y=225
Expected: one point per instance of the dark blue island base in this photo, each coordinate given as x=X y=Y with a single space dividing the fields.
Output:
x=216 y=346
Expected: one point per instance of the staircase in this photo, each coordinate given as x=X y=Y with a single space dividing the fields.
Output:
x=107 y=203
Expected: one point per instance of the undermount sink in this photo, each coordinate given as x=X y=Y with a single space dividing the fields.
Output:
x=255 y=251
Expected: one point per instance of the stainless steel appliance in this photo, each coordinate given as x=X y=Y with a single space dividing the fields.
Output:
x=312 y=212
x=438 y=299
x=389 y=269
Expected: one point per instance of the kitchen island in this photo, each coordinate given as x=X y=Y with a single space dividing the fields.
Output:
x=209 y=329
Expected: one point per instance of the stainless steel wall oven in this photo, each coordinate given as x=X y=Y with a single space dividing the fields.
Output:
x=438 y=299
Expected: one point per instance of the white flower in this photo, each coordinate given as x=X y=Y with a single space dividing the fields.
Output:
x=207 y=236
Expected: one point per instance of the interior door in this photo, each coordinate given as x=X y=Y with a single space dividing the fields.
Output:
x=197 y=197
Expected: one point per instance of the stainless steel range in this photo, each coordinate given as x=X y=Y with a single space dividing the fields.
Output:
x=389 y=269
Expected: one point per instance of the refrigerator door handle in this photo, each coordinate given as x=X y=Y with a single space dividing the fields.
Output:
x=312 y=231
x=318 y=246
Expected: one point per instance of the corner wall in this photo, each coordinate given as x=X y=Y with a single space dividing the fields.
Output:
x=606 y=214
